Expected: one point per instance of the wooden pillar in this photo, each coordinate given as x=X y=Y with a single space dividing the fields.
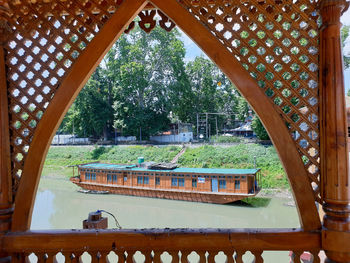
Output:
x=334 y=148
x=6 y=202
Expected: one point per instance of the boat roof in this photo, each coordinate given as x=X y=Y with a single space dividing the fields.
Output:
x=105 y=166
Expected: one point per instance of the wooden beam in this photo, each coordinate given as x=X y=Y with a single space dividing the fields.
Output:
x=64 y=97
x=164 y=239
x=274 y=124
x=5 y=154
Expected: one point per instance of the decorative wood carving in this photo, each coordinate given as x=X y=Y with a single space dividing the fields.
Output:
x=71 y=85
x=5 y=28
x=206 y=244
x=46 y=49
x=256 y=35
x=334 y=133
x=249 y=88
x=277 y=43
x=148 y=21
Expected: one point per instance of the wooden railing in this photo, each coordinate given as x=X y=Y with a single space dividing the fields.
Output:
x=166 y=245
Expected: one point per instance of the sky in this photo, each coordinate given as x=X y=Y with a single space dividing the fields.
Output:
x=345 y=19
x=192 y=50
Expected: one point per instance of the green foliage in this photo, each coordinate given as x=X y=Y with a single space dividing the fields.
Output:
x=98 y=151
x=144 y=83
x=259 y=129
x=211 y=92
x=151 y=79
x=242 y=109
x=72 y=155
x=344 y=35
x=239 y=156
x=226 y=139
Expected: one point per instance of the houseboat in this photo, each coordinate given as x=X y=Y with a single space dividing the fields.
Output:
x=164 y=180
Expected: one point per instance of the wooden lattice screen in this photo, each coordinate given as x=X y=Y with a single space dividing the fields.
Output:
x=266 y=47
x=276 y=41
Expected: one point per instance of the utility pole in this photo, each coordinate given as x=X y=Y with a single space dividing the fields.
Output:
x=206 y=125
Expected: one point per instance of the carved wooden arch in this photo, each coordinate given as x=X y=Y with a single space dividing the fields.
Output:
x=87 y=62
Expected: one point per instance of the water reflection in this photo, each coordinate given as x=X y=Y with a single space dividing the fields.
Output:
x=58 y=205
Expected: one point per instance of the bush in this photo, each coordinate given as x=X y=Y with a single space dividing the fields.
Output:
x=239 y=156
x=226 y=139
x=259 y=129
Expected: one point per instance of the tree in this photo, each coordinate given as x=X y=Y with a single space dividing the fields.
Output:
x=92 y=112
x=211 y=91
x=345 y=38
x=259 y=129
x=151 y=81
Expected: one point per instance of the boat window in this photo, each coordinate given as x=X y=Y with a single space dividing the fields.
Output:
x=229 y=176
x=139 y=180
x=237 y=184
x=93 y=176
x=181 y=182
x=222 y=184
x=146 y=180
x=145 y=173
x=87 y=176
x=243 y=177
x=109 y=178
x=173 y=181
x=115 y=178
x=194 y=182
x=157 y=181
x=236 y=177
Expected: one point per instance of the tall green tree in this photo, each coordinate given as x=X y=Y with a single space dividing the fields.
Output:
x=345 y=31
x=152 y=81
x=92 y=112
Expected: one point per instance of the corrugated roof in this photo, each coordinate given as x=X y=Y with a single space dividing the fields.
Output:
x=176 y=170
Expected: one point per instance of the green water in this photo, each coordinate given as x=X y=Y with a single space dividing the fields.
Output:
x=58 y=205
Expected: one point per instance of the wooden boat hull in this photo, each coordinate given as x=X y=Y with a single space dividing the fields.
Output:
x=216 y=198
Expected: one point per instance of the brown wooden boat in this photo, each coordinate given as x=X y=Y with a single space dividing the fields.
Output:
x=164 y=180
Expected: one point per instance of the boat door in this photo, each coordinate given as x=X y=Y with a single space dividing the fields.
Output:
x=214 y=185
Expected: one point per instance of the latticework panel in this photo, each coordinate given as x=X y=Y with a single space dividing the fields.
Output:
x=276 y=41
x=47 y=39
x=140 y=256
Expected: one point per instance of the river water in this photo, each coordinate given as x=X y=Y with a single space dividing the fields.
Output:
x=59 y=205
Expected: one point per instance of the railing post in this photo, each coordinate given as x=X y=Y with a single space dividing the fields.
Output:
x=334 y=148
x=6 y=206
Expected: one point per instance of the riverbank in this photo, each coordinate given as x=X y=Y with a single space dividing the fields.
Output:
x=235 y=156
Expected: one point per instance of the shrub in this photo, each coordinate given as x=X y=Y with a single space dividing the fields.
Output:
x=259 y=129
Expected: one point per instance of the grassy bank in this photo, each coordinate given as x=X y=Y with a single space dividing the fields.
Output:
x=59 y=158
x=238 y=156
